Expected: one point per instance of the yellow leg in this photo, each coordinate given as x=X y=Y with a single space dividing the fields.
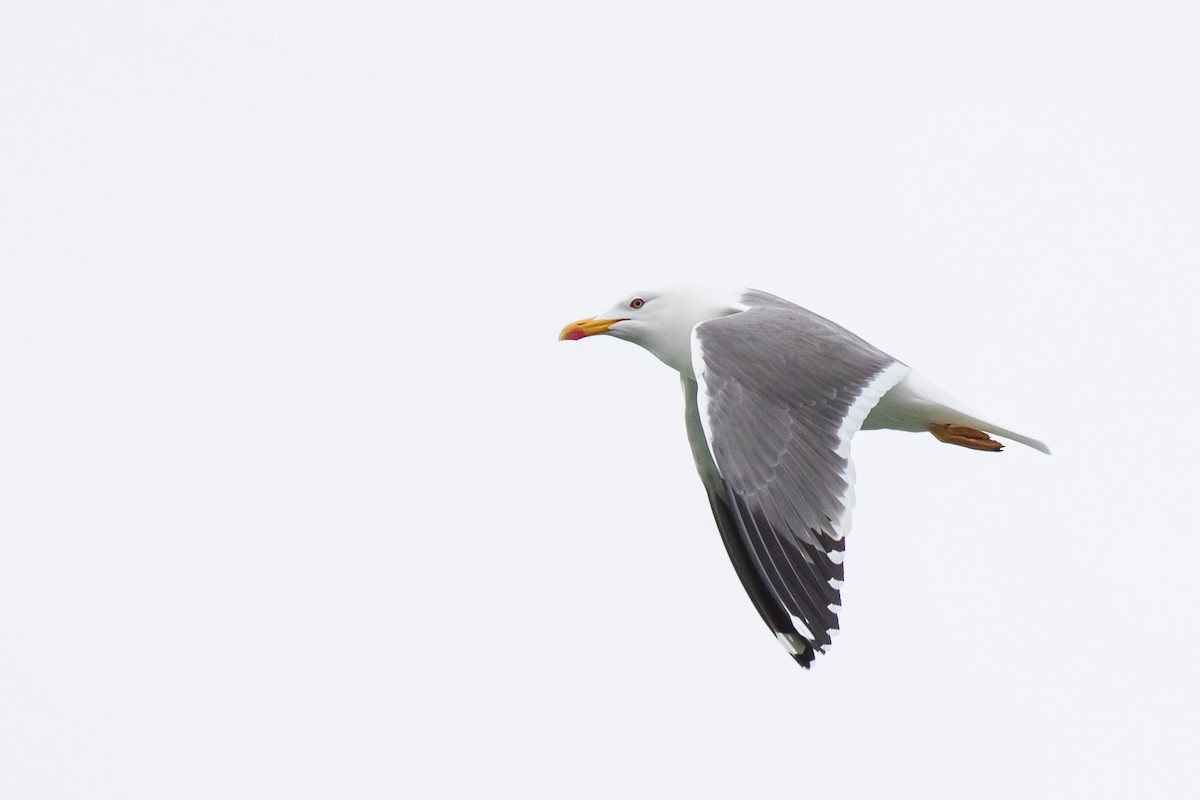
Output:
x=963 y=436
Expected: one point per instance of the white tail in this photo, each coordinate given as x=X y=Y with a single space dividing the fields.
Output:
x=915 y=403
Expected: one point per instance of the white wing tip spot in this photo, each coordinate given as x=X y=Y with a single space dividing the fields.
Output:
x=801 y=628
x=790 y=642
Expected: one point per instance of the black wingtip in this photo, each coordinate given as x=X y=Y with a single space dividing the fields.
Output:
x=805 y=658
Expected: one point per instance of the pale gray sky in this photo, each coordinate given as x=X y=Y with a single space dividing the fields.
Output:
x=299 y=496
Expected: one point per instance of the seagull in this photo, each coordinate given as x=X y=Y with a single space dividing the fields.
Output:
x=773 y=395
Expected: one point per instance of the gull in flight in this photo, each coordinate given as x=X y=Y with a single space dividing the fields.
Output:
x=773 y=394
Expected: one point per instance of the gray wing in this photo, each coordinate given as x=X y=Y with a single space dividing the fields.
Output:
x=779 y=393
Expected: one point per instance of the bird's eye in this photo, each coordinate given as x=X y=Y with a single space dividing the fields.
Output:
x=637 y=302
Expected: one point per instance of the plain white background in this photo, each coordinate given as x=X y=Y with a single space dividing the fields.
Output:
x=300 y=498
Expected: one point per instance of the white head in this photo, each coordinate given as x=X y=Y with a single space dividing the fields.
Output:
x=661 y=321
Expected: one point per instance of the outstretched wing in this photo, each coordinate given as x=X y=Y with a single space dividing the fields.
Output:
x=779 y=392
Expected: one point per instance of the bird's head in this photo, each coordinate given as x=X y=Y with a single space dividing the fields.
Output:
x=660 y=321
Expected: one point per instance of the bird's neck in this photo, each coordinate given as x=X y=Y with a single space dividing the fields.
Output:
x=675 y=352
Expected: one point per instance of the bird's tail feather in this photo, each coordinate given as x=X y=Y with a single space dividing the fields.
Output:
x=916 y=404
x=996 y=430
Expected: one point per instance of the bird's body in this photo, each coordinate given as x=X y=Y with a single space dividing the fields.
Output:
x=773 y=396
